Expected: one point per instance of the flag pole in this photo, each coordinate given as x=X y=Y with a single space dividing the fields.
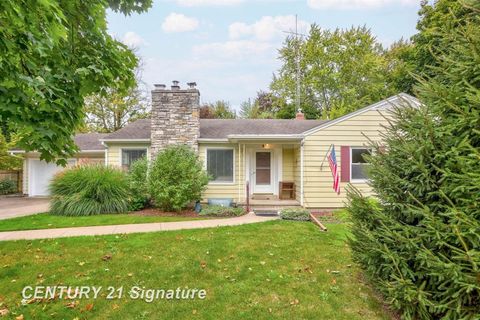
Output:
x=325 y=157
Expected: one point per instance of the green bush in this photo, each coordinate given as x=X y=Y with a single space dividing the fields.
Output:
x=7 y=186
x=297 y=214
x=137 y=179
x=89 y=190
x=420 y=243
x=177 y=178
x=220 y=211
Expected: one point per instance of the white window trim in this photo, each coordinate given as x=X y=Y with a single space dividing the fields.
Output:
x=211 y=182
x=147 y=150
x=350 y=166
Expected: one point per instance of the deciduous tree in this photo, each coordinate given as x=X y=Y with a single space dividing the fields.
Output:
x=341 y=71
x=52 y=55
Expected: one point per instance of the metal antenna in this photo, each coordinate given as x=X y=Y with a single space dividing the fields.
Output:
x=298 y=37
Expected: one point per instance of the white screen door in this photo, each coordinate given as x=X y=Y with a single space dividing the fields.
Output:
x=263 y=172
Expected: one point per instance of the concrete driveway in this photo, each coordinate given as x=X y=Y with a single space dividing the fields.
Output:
x=11 y=207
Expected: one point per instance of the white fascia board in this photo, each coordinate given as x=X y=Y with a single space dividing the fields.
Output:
x=211 y=140
x=265 y=137
x=125 y=140
x=376 y=106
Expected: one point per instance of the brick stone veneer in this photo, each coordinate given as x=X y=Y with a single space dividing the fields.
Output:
x=175 y=118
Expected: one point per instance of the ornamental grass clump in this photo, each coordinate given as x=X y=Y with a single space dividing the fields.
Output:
x=89 y=190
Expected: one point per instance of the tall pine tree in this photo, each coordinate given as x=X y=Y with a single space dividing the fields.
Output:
x=420 y=242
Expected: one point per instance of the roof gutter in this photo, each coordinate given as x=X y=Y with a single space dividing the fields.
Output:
x=212 y=140
x=272 y=137
x=124 y=140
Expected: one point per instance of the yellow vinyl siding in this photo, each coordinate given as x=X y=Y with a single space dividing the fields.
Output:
x=114 y=151
x=235 y=190
x=296 y=171
x=288 y=165
x=318 y=181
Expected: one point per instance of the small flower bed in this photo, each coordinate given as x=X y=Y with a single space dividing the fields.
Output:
x=297 y=214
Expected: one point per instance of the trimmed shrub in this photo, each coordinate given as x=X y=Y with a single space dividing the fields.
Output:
x=220 y=211
x=297 y=214
x=89 y=190
x=177 y=178
x=137 y=179
x=7 y=186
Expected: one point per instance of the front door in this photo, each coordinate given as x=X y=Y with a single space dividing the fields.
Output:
x=263 y=177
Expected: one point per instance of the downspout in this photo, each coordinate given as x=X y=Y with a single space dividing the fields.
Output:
x=106 y=152
x=239 y=168
x=301 y=171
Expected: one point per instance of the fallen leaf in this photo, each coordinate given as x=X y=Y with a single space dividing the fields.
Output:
x=262 y=263
x=89 y=307
x=194 y=311
x=81 y=263
x=203 y=264
x=334 y=281
x=72 y=304
x=130 y=274
x=294 y=302
x=20 y=317
x=4 y=312
x=40 y=275
x=107 y=257
x=115 y=306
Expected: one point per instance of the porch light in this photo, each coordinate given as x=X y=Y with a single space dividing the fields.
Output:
x=266 y=146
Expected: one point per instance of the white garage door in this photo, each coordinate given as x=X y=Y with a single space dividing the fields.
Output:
x=41 y=173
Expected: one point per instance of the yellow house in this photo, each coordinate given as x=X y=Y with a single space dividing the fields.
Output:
x=257 y=162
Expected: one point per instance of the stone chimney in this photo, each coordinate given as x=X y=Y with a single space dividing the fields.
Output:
x=299 y=115
x=175 y=116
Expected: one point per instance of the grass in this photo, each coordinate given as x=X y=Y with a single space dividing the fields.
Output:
x=271 y=270
x=48 y=221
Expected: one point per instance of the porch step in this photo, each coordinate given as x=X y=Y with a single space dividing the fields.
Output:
x=266 y=212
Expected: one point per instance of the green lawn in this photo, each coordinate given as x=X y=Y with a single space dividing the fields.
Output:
x=277 y=269
x=48 y=221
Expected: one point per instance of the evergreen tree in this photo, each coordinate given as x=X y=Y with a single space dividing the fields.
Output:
x=420 y=242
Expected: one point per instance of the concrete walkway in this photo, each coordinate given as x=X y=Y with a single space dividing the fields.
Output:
x=130 y=228
x=12 y=207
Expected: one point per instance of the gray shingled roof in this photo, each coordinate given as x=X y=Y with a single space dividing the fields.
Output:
x=84 y=141
x=222 y=128
x=139 y=129
x=89 y=141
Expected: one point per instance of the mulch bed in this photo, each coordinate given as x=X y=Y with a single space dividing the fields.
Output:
x=153 y=212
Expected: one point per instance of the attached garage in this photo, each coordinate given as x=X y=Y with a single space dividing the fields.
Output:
x=40 y=176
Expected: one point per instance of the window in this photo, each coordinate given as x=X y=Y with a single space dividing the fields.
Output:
x=131 y=155
x=358 y=163
x=220 y=165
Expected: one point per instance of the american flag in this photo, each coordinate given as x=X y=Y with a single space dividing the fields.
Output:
x=332 y=160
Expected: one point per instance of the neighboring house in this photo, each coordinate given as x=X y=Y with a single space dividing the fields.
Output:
x=263 y=154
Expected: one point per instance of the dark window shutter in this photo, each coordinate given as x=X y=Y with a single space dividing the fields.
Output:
x=345 y=163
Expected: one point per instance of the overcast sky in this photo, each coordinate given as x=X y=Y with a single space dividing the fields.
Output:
x=229 y=47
